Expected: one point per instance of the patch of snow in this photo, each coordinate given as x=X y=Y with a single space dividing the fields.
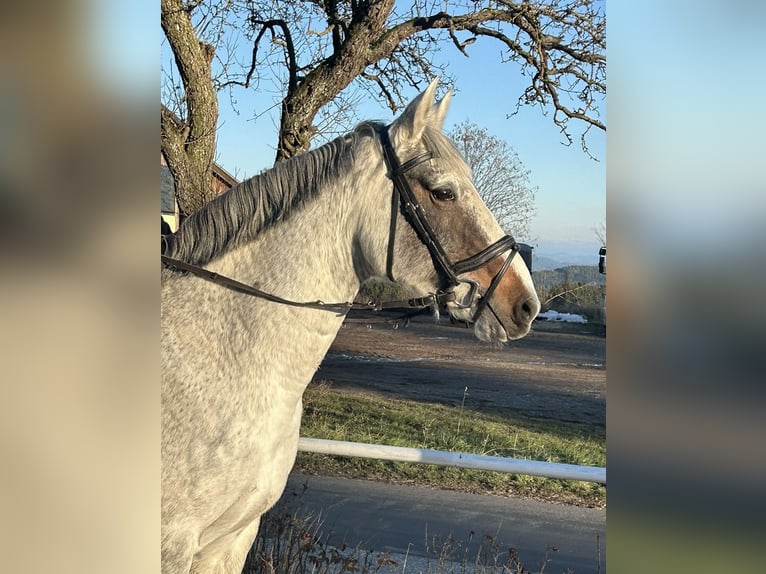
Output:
x=563 y=317
x=372 y=359
x=566 y=364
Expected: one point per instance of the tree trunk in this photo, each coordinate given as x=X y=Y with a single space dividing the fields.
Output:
x=327 y=80
x=296 y=126
x=189 y=146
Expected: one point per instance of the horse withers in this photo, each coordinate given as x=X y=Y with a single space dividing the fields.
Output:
x=237 y=355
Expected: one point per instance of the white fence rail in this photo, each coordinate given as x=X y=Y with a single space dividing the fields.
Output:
x=464 y=460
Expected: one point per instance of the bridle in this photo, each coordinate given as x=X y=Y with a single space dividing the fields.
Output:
x=416 y=216
x=404 y=198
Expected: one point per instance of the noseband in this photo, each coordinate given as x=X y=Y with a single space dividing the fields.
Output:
x=404 y=197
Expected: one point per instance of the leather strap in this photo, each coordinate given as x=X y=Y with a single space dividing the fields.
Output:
x=402 y=196
x=249 y=289
x=432 y=299
x=481 y=258
x=484 y=299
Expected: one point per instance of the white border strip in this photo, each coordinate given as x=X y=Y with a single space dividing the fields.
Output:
x=459 y=459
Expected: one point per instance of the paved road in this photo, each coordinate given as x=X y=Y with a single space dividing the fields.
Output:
x=398 y=519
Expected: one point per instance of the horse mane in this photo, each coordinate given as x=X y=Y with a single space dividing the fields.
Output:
x=236 y=216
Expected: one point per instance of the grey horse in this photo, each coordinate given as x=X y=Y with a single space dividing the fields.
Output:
x=315 y=227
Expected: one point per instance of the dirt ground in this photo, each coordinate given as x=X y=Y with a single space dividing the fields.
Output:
x=558 y=371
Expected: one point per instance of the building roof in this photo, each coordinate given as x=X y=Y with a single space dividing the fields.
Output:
x=224 y=175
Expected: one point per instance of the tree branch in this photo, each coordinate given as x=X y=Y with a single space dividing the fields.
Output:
x=378 y=80
x=539 y=52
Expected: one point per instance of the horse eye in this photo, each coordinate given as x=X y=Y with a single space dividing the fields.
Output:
x=443 y=194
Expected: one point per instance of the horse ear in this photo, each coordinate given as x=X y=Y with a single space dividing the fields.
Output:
x=440 y=111
x=421 y=112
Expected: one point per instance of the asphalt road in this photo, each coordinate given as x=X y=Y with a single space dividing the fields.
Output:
x=416 y=521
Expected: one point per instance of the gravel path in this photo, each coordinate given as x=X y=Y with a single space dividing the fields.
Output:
x=557 y=372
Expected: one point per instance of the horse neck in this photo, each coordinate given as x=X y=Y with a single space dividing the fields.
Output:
x=311 y=255
x=316 y=253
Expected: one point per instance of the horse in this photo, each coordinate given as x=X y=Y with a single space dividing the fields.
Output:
x=392 y=201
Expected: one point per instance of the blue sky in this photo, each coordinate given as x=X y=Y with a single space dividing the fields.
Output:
x=571 y=187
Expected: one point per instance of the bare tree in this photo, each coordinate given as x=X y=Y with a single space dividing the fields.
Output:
x=327 y=52
x=558 y=44
x=600 y=231
x=500 y=177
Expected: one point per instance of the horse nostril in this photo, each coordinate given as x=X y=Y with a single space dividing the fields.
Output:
x=528 y=310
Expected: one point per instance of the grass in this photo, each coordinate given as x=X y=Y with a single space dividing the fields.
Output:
x=336 y=415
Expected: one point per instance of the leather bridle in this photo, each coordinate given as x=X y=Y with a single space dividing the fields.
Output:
x=404 y=198
x=416 y=216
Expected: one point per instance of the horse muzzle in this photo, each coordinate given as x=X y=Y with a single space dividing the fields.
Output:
x=509 y=315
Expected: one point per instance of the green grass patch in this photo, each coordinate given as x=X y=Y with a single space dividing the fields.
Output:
x=335 y=415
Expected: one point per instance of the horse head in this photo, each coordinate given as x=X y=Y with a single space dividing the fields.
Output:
x=463 y=250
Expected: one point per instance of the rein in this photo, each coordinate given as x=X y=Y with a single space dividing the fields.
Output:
x=430 y=300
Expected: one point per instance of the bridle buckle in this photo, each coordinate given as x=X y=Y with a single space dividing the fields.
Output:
x=471 y=297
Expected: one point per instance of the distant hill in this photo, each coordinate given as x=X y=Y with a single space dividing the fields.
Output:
x=546 y=262
x=555 y=254
x=557 y=261
x=572 y=274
